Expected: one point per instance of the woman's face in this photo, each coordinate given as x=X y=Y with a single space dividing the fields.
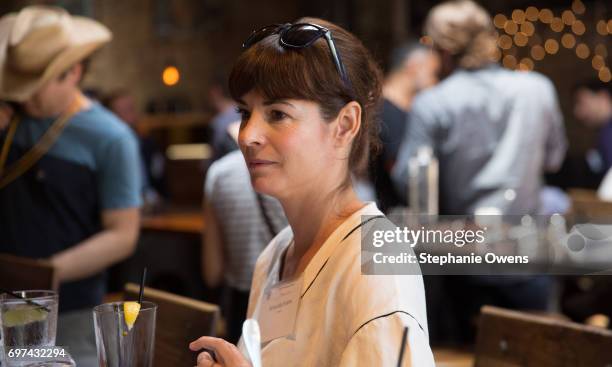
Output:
x=288 y=147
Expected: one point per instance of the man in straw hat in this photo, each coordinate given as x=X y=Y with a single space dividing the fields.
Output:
x=494 y=131
x=69 y=184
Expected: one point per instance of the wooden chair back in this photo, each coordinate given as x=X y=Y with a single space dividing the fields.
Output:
x=511 y=339
x=180 y=320
x=20 y=273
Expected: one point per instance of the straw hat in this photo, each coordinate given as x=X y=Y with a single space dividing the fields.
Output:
x=39 y=43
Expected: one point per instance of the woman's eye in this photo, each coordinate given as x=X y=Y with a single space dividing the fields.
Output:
x=276 y=115
x=244 y=114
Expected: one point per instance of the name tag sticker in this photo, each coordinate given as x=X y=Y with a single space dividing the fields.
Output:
x=278 y=311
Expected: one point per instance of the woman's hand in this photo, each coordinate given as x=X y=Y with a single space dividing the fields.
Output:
x=226 y=353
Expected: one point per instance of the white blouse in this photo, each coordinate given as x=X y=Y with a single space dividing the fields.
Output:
x=344 y=318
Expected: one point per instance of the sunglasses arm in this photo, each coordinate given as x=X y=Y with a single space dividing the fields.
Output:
x=336 y=59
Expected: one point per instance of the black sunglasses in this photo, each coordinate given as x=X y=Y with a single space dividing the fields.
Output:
x=300 y=35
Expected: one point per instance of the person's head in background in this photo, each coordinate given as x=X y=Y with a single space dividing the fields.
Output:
x=43 y=59
x=463 y=34
x=53 y=97
x=122 y=103
x=412 y=68
x=593 y=103
x=219 y=94
x=305 y=130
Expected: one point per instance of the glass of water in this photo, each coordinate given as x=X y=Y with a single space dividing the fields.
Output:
x=122 y=346
x=27 y=319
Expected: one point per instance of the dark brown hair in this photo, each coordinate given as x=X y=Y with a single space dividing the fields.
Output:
x=310 y=74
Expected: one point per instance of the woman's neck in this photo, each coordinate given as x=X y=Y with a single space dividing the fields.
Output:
x=313 y=218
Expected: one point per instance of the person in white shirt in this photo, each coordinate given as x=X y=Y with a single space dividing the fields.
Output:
x=309 y=93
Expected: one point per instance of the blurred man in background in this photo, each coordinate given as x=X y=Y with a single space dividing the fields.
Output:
x=413 y=68
x=594 y=109
x=495 y=132
x=585 y=297
x=69 y=177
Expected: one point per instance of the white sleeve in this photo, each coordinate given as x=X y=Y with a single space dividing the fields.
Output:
x=605 y=188
x=378 y=343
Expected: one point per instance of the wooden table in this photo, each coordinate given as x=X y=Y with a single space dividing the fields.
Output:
x=187 y=221
x=169 y=246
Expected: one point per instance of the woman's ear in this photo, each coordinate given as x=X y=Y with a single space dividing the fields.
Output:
x=348 y=124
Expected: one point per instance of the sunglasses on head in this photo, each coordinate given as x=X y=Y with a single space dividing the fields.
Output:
x=297 y=36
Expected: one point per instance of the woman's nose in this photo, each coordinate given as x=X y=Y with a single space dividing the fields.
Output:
x=252 y=131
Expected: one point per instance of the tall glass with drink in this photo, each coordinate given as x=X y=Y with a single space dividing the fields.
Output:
x=27 y=319
x=125 y=335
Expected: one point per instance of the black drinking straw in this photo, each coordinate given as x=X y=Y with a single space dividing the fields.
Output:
x=402 y=348
x=142 y=285
x=28 y=301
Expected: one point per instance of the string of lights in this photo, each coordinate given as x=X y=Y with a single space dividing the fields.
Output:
x=536 y=33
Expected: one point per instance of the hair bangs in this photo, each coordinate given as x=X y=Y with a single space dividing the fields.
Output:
x=279 y=73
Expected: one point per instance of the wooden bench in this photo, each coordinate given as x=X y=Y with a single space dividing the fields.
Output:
x=511 y=339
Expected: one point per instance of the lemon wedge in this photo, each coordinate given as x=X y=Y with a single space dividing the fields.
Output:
x=130 y=313
x=23 y=315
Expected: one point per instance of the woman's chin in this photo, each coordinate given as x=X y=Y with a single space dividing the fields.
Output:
x=264 y=186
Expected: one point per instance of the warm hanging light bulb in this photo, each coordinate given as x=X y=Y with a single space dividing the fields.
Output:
x=171 y=75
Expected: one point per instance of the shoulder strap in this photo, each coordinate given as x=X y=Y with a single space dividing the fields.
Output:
x=43 y=145
x=8 y=141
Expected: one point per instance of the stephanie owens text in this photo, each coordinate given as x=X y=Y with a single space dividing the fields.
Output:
x=425 y=258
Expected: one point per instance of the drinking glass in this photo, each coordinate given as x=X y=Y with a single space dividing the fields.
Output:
x=29 y=321
x=117 y=345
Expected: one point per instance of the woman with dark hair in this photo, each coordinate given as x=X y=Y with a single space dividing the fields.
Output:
x=309 y=94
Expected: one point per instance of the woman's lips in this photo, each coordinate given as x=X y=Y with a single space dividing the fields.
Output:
x=259 y=163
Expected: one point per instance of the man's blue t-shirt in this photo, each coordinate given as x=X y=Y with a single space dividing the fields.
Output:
x=93 y=166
